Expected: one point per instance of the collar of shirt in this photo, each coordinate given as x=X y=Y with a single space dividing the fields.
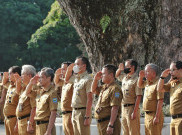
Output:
x=48 y=88
x=131 y=76
x=152 y=82
x=79 y=76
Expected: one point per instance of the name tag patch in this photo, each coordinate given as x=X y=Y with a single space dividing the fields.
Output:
x=55 y=100
x=117 y=94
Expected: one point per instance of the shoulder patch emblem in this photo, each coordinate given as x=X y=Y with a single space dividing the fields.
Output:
x=117 y=94
x=55 y=100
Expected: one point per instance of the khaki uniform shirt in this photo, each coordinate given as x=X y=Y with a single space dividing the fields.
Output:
x=25 y=104
x=129 y=88
x=108 y=97
x=66 y=95
x=175 y=89
x=11 y=101
x=82 y=85
x=1 y=88
x=151 y=96
x=46 y=101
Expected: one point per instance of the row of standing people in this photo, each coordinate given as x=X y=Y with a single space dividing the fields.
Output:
x=26 y=115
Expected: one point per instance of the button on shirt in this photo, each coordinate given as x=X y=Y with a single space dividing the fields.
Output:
x=151 y=96
x=82 y=85
x=11 y=101
x=108 y=97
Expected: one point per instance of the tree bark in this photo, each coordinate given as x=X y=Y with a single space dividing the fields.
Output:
x=145 y=30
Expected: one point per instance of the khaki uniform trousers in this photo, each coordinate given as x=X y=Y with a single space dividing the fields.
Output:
x=67 y=124
x=42 y=128
x=176 y=126
x=102 y=127
x=78 y=122
x=130 y=127
x=150 y=128
x=22 y=127
x=9 y=125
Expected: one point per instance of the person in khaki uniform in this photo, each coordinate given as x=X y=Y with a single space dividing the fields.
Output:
x=82 y=95
x=153 y=100
x=174 y=87
x=11 y=103
x=25 y=110
x=66 y=97
x=46 y=102
x=131 y=97
x=107 y=109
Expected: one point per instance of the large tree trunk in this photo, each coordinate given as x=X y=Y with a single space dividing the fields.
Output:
x=145 y=30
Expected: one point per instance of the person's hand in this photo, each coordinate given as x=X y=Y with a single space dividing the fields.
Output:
x=155 y=120
x=109 y=130
x=34 y=80
x=30 y=129
x=58 y=71
x=121 y=66
x=142 y=74
x=17 y=77
x=98 y=76
x=133 y=116
x=16 y=128
x=70 y=67
x=165 y=73
x=87 y=122
x=6 y=75
x=47 y=133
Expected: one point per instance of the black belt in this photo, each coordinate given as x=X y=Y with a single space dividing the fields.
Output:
x=103 y=119
x=79 y=108
x=20 y=118
x=65 y=112
x=177 y=116
x=11 y=116
x=41 y=122
x=149 y=112
x=126 y=105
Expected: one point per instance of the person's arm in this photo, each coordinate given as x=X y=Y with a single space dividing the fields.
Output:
x=69 y=72
x=158 y=111
x=160 y=86
x=88 y=109
x=18 y=83
x=114 y=114
x=137 y=103
x=140 y=79
x=32 y=82
x=57 y=76
x=51 y=122
x=30 y=127
x=5 y=78
x=3 y=95
x=94 y=86
x=119 y=70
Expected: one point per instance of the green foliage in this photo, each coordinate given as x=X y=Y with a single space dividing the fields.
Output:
x=55 y=41
x=18 y=20
x=104 y=22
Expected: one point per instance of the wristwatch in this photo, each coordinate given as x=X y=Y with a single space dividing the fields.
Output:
x=162 y=77
x=110 y=126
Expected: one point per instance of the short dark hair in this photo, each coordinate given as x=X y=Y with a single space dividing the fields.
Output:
x=48 y=72
x=15 y=69
x=178 y=64
x=111 y=68
x=133 y=63
x=85 y=61
x=67 y=63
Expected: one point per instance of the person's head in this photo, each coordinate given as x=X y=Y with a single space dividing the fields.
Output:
x=176 y=69
x=64 y=66
x=81 y=65
x=13 y=70
x=27 y=72
x=46 y=76
x=152 y=71
x=108 y=73
x=130 y=66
